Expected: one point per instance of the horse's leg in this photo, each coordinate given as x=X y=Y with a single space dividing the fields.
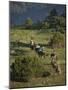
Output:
x=54 y=70
x=41 y=54
x=59 y=69
x=44 y=55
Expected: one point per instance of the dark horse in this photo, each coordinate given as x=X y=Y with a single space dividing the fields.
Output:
x=41 y=54
x=37 y=48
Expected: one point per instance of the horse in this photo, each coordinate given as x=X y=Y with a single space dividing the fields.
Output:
x=32 y=45
x=41 y=54
x=39 y=51
x=55 y=64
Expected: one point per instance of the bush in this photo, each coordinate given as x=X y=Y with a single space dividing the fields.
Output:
x=21 y=70
x=26 y=67
x=57 y=40
x=37 y=67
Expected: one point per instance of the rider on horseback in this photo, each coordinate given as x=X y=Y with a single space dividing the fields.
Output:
x=54 y=62
x=32 y=43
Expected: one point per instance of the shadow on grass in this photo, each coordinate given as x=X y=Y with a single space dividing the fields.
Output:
x=19 y=44
x=18 y=52
x=44 y=75
x=44 y=45
x=23 y=44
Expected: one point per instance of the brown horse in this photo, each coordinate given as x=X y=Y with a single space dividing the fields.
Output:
x=54 y=63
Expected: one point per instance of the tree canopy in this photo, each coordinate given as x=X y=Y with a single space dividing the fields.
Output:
x=28 y=23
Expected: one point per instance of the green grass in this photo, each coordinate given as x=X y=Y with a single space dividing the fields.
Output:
x=24 y=36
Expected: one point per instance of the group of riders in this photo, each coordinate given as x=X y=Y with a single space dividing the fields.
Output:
x=40 y=51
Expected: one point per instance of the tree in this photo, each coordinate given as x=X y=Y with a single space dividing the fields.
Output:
x=63 y=14
x=56 y=22
x=53 y=12
x=38 y=24
x=45 y=25
x=28 y=23
x=51 y=18
x=60 y=23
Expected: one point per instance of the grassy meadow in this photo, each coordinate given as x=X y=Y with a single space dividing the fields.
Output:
x=19 y=47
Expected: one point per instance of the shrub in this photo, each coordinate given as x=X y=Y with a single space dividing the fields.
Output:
x=57 y=40
x=37 y=66
x=26 y=67
x=21 y=70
